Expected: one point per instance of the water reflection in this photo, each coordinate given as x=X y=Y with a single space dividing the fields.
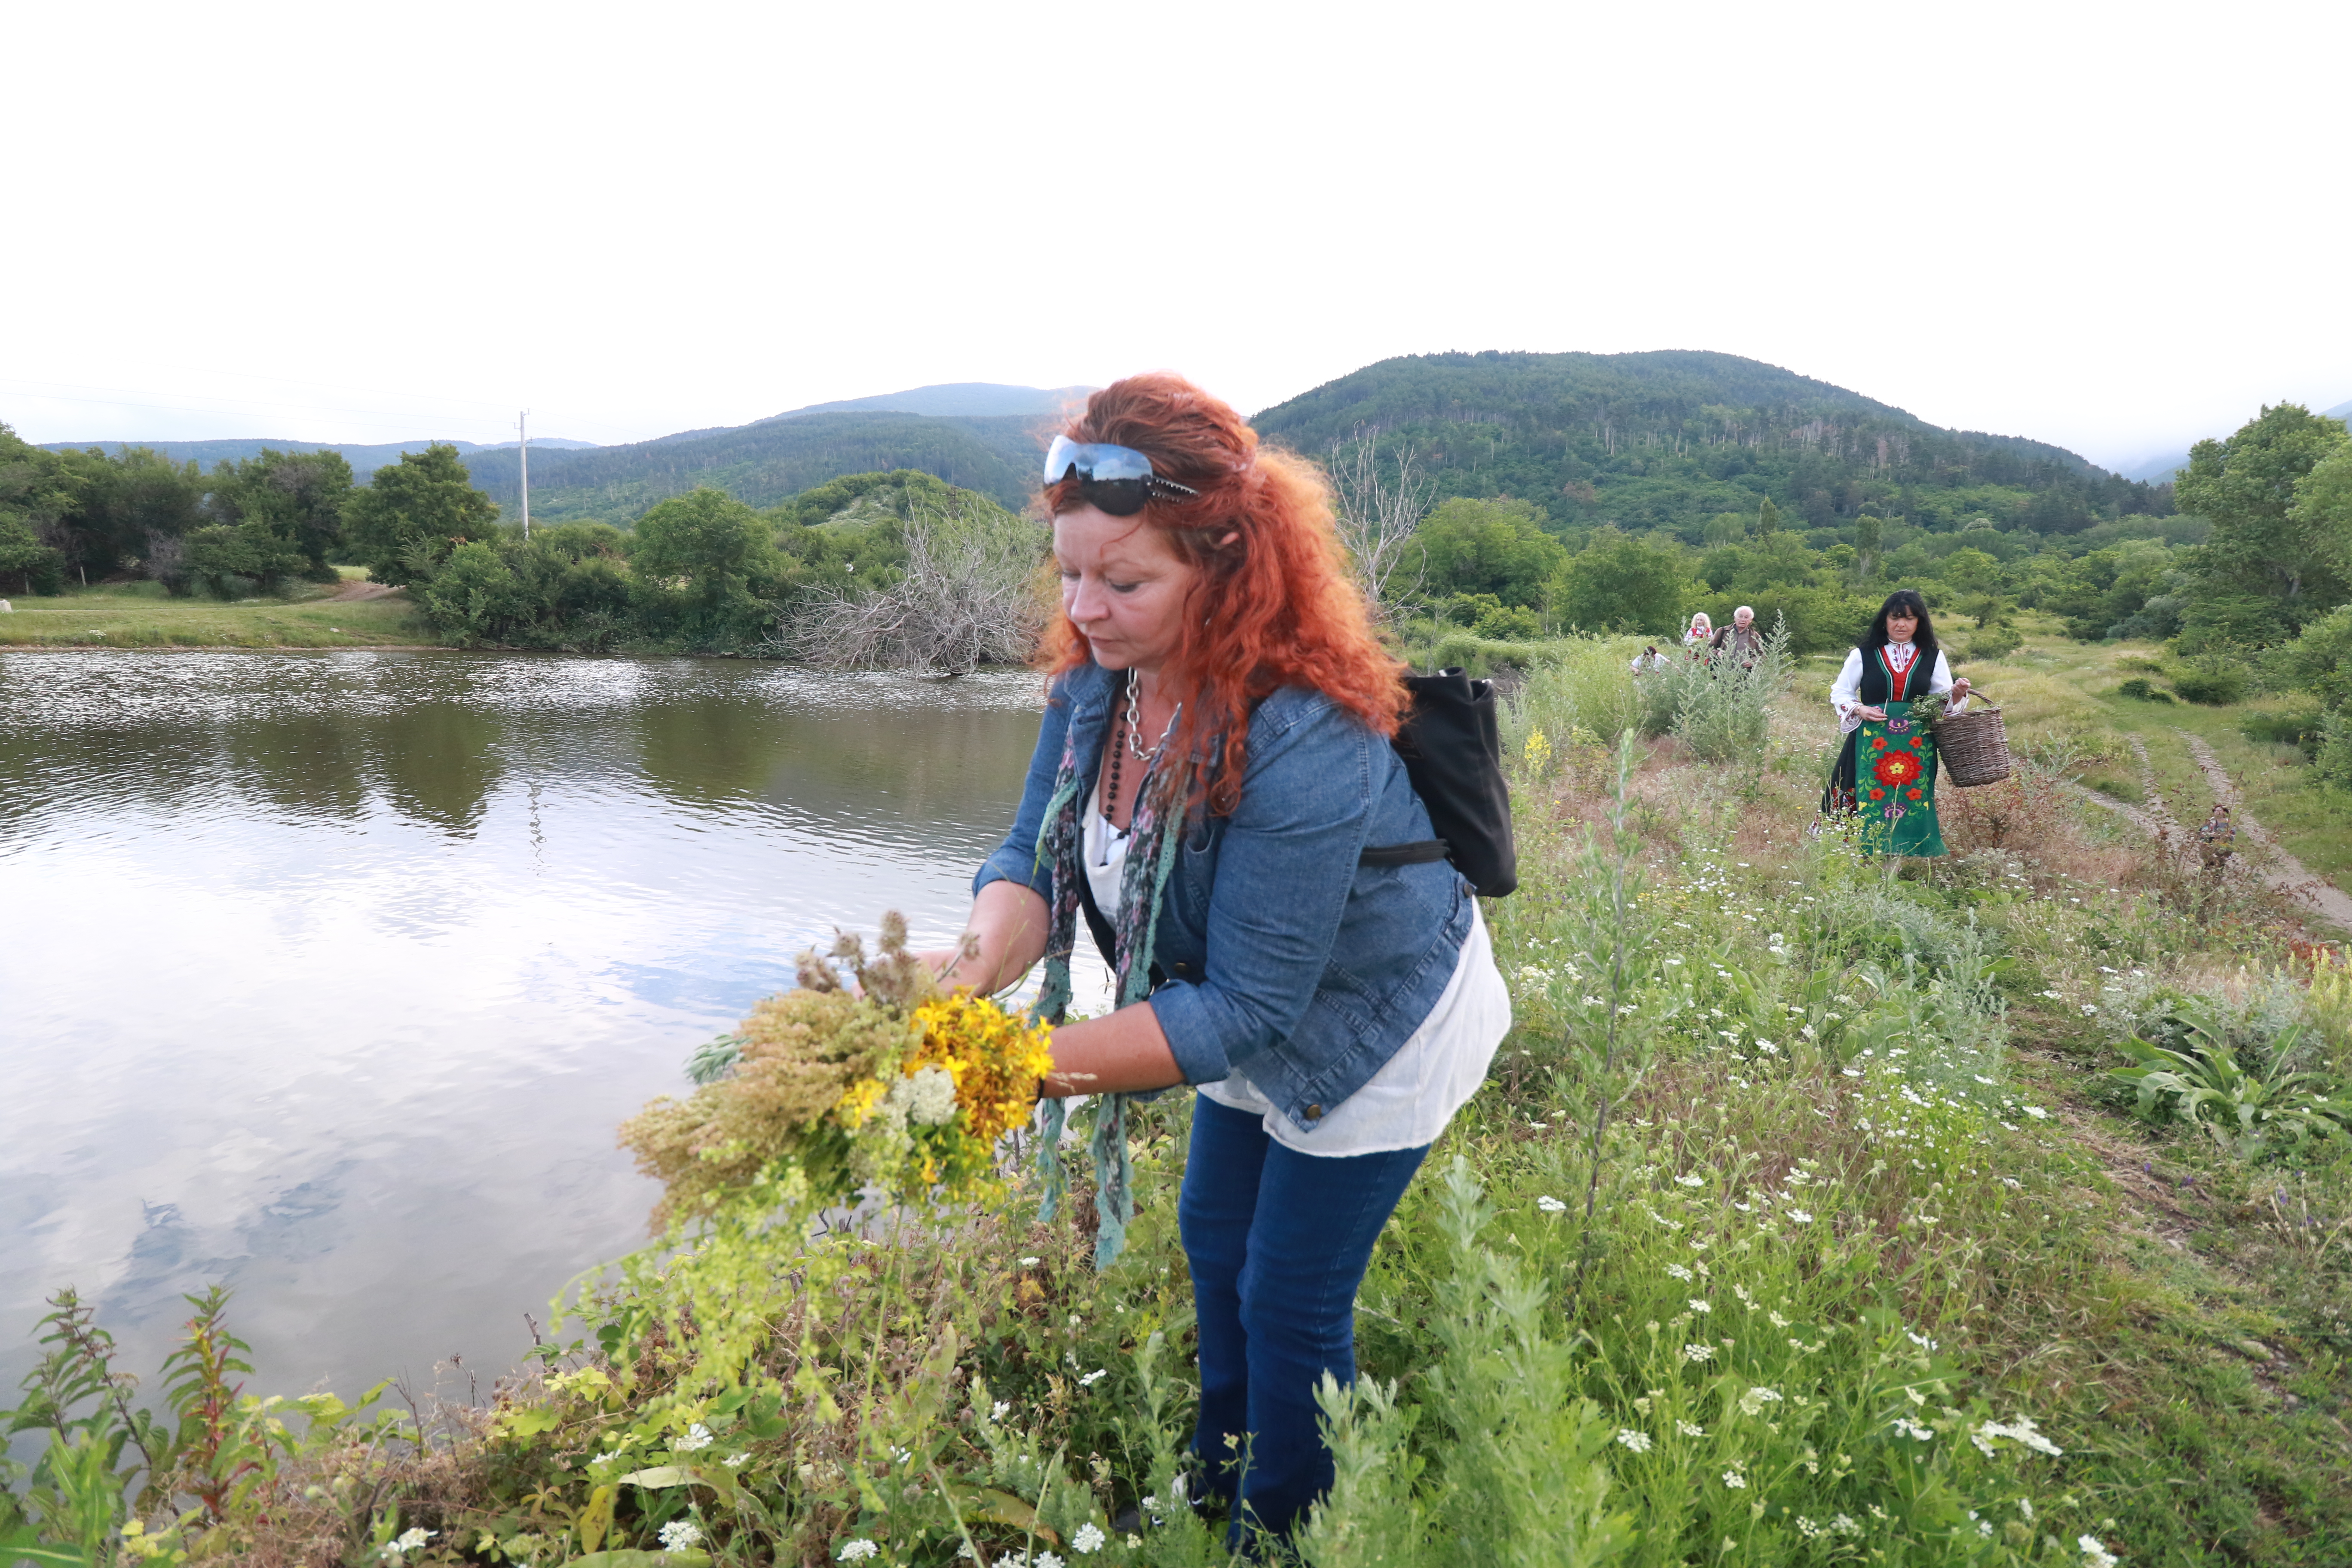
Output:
x=329 y=976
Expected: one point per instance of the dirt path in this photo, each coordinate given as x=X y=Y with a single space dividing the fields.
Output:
x=360 y=589
x=2285 y=872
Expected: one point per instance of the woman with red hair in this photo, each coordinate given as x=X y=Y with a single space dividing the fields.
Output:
x=1213 y=766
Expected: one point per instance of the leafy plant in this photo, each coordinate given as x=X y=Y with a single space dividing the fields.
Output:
x=2139 y=689
x=2215 y=680
x=2203 y=1083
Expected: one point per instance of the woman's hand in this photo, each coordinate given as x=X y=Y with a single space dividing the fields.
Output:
x=1123 y=1052
x=1959 y=688
x=1877 y=715
x=1006 y=939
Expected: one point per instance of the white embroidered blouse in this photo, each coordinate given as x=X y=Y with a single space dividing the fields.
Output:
x=1845 y=692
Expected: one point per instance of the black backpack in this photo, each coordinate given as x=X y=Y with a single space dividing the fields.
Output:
x=1453 y=752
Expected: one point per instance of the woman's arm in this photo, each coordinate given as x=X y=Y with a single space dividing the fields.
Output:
x=1940 y=682
x=1003 y=941
x=1125 y=1053
x=1845 y=693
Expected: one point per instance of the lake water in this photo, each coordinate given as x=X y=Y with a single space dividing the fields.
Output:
x=329 y=976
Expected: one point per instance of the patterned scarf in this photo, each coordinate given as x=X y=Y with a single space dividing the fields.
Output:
x=1157 y=828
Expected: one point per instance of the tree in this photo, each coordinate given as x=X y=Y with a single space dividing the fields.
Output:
x=971 y=596
x=1869 y=533
x=710 y=555
x=2263 y=544
x=298 y=496
x=1768 y=519
x=1376 y=520
x=25 y=558
x=1620 y=582
x=1489 y=547
x=414 y=513
x=220 y=555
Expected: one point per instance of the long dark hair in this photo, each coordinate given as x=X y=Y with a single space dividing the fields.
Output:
x=1908 y=601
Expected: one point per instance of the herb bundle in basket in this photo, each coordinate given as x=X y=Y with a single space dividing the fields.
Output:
x=892 y=1085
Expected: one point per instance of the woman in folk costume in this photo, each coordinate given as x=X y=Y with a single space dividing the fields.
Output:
x=1213 y=761
x=1886 y=769
x=1698 y=640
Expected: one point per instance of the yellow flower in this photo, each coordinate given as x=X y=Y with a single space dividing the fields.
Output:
x=858 y=1103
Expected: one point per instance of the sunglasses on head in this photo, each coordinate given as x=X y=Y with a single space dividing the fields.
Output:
x=1115 y=479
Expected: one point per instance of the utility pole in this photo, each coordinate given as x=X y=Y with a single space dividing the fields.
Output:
x=522 y=429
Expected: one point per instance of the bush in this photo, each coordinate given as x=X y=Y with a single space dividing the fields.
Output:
x=1996 y=642
x=2139 y=689
x=2215 y=681
x=2334 y=761
x=2293 y=727
x=1722 y=711
x=1590 y=687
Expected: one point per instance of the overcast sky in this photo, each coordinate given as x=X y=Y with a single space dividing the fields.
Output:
x=2113 y=226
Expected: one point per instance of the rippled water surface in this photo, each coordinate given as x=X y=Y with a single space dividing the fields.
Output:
x=328 y=977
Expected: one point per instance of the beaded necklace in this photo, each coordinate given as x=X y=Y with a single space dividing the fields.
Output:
x=1134 y=729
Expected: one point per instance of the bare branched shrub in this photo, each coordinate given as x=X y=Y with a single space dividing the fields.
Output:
x=1377 y=516
x=971 y=595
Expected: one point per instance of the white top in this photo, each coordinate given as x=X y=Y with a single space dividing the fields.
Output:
x=1410 y=1100
x=1845 y=692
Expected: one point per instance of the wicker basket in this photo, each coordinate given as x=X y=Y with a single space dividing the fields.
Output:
x=1972 y=746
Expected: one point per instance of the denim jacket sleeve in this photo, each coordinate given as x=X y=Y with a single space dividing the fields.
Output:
x=1015 y=860
x=1284 y=870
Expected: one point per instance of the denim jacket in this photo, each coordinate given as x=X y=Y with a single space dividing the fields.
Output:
x=1285 y=960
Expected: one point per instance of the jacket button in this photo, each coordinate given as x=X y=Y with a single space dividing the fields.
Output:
x=1183 y=968
x=1314 y=1113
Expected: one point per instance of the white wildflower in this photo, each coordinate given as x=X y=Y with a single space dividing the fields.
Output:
x=997 y=1411
x=1690 y=1428
x=735 y=1462
x=855 y=1550
x=1757 y=1398
x=1843 y=1524
x=1047 y=1560
x=407 y=1541
x=1777 y=1320
x=1910 y=1428
x=2094 y=1555
x=2036 y=1113
x=698 y=1437
x=1028 y=1263
x=1094 y=1377
x=1800 y=1217
x=1698 y=1353
x=1550 y=1205
x=1677 y=1272
x=681 y=1535
x=1734 y=1479
x=1639 y=1442
x=1696 y=1305
x=1087 y=1539
x=1690 y=1181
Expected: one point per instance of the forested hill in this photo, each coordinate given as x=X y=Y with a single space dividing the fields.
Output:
x=1672 y=438
x=365 y=459
x=766 y=462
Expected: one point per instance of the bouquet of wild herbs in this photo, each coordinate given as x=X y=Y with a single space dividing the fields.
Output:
x=891 y=1084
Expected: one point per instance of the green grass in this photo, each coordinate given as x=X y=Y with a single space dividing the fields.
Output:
x=2069 y=685
x=141 y=615
x=1868 y=1239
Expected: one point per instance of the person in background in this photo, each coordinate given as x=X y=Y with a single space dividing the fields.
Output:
x=1648 y=660
x=1214 y=758
x=1700 y=637
x=1740 y=639
x=2217 y=838
x=1885 y=772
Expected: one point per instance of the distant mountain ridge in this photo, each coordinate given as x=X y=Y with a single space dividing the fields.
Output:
x=1673 y=439
x=2159 y=470
x=365 y=459
x=1668 y=438
x=954 y=399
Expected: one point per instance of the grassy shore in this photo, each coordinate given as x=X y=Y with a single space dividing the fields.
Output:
x=1881 y=1267
x=141 y=615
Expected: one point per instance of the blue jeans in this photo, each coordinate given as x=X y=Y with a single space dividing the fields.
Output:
x=1278 y=1242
